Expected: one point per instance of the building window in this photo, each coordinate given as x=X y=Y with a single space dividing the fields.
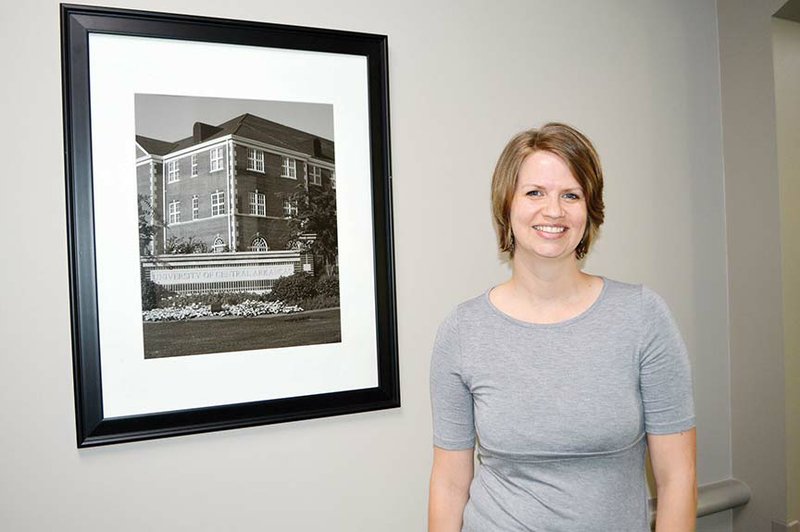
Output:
x=174 y=212
x=194 y=165
x=216 y=158
x=255 y=160
x=173 y=171
x=289 y=208
x=218 y=246
x=258 y=203
x=315 y=175
x=333 y=179
x=259 y=244
x=217 y=203
x=195 y=207
x=289 y=168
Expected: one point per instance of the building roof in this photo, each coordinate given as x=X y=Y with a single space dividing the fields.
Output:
x=250 y=127
x=153 y=146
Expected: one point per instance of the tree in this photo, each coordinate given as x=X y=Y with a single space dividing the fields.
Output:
x=316 y=214
x=149 y=224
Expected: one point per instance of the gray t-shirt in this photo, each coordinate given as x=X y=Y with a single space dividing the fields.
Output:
x=560 y=410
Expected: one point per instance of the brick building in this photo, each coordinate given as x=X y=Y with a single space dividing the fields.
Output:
x=229 y=186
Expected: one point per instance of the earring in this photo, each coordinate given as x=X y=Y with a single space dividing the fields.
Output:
x=580 y=249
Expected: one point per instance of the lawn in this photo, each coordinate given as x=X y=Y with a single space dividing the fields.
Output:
x=194 y=337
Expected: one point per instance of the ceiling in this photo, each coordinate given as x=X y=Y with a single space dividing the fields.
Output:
x=790 y=11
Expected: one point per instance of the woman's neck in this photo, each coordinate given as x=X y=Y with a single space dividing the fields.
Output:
x=548 y=281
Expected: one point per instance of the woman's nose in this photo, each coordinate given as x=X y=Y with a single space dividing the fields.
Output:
x=553 y=208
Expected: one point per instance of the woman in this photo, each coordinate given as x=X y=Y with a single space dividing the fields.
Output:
x=563 y=376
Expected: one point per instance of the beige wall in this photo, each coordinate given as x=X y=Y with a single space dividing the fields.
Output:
x=786 y=51
x=641 y=78
x=754 y=259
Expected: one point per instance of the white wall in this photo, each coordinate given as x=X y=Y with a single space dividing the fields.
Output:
x=641 y=78
x=786 y=53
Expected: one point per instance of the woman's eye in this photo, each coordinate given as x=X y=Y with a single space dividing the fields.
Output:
x=534 y=193
x=571 y=195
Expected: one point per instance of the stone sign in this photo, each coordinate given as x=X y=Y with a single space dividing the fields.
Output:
x=220 y=274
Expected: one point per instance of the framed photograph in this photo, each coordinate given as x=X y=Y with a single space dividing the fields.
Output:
x=229 y=223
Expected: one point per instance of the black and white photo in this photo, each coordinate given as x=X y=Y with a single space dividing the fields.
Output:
x=237 y=224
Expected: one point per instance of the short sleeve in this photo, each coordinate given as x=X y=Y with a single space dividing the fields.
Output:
x=451 y=399
x=665 y=376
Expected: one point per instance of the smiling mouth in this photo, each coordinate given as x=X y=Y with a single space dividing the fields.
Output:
x=550 y=228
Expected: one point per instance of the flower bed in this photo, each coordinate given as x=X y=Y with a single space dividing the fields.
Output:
x=246 y=308
x=260 y=308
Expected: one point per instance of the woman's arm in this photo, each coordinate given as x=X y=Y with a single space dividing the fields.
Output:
x=450 y=479
x=674 y=466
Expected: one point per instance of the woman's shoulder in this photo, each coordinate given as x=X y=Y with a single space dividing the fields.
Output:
x=635 y=296
x=460 y=318
x=468 y=310
x=621 y=288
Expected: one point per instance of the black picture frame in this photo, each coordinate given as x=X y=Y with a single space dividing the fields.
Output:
x=93 y=426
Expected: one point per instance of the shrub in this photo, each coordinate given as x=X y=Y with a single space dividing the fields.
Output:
x=294 y=288
x=300 y=289
x=181 y=246
x=153 y=294
x=320 y=301
x=328 y=285
x=216 y=299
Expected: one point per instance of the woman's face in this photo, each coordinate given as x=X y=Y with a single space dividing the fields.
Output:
x=548 y=211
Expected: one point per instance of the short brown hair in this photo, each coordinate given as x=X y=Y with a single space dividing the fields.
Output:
x=576 y=150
